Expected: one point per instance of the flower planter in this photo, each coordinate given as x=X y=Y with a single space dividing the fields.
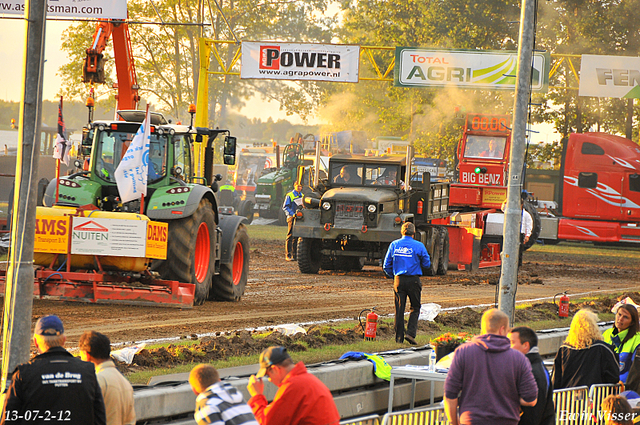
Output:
x=443 y=350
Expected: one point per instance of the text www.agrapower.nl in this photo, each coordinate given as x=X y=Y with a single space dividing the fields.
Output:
x=295 y=73
x=52 y=8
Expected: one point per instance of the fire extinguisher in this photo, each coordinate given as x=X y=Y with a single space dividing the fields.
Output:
x=371 y=324
x=420 y=205
x=563 y=305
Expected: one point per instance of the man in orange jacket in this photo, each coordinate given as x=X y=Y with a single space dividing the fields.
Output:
x=301 y=398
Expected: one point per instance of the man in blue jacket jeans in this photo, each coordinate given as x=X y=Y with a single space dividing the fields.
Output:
x=405 y=260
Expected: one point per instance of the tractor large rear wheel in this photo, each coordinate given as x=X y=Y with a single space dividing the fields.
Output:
x=230 y=283
x=190 y=251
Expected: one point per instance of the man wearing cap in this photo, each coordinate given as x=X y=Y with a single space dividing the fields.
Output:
x=301 y=398
x=55 y=386
x=405 y=259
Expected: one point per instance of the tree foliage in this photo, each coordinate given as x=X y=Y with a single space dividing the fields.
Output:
x=607 y=27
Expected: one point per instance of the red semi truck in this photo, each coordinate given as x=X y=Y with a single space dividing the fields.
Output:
x=595 y=196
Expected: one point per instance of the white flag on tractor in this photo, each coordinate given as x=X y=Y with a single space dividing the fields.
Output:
x=131 y=174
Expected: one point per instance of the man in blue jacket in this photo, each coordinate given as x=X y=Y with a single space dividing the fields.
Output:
x=292 y=203
x=405 y=260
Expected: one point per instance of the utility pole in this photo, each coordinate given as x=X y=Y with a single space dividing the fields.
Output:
x=513 y=213
x=18 y=298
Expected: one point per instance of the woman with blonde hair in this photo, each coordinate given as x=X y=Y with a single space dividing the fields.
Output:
x=584 y=358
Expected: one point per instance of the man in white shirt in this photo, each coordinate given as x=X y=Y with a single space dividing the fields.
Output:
x=526 y=227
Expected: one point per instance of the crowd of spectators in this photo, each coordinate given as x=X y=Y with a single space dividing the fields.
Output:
x=498 y=377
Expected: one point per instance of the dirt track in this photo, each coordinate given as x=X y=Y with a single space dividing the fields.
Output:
x=277 y=293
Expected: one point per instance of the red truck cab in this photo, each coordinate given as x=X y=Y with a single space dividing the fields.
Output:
x=483 y=158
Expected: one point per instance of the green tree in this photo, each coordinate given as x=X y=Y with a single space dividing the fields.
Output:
x=585 y=27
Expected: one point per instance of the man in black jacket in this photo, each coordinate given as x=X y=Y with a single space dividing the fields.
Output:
x=525 y=340
x=55 y=386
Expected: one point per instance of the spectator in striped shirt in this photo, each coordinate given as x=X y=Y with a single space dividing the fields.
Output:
x=218 y=402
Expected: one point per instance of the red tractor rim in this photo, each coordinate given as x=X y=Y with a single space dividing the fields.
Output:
x=203 y=252
x=238 y=263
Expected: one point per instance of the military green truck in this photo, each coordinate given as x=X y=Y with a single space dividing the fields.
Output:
x=357 y=211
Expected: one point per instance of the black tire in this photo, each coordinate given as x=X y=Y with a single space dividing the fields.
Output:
x=282 y=218
x=229 y=285
x=537 y=225
x=327 y=263
x=181 y=259
x=443 y=265
x=435 y=255
x=309 y=259
x=247 y=211
x=344 y=263
x=357 y=263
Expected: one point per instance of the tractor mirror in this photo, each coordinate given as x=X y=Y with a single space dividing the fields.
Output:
x=230 y=146
x=230 y=150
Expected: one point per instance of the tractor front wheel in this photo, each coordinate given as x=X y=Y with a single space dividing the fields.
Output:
x=230 y=283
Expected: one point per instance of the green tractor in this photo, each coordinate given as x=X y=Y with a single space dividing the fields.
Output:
x=273 y=186
x=204 y=248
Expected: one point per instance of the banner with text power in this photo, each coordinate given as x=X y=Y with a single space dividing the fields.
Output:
x=610 y=76
x=108 y=9
x=293 y=61
x=482 y=69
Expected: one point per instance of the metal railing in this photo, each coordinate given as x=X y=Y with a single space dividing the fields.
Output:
x=429 y=416
x=364 y=420
x=574 y=406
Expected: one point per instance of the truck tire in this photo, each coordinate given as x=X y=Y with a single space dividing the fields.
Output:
x=327 y=263
x=191 y=252
x=308 y=257
x=246 y=210
x=282 y=218
x=230 y=283
x=443 y=265
x=357 y=263
x=537 y=225
x=435 y=255
x=347 y=263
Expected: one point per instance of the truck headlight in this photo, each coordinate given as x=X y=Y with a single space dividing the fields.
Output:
x=326 y=206
x=371 y=208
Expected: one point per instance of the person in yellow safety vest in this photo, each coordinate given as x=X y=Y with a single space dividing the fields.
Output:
x=229 y=188
x=292 y=203
x=624 y=337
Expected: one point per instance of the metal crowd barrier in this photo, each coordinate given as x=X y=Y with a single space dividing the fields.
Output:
x=597 y=394
x=429 y=416
x=574 y=406
x=364 y=420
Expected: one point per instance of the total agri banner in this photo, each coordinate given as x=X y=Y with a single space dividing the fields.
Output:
x=295 y=61
x=610 y=76
x=111 y=9
x=471 y=69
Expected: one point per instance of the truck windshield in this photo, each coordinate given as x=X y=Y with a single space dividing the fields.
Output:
x=364 y=174
x=112 y=146
x=491 y=147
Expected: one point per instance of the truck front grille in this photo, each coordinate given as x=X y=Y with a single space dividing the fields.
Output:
x=349 y=215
